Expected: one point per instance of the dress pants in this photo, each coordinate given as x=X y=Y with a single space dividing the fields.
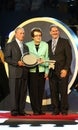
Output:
x=20 y=94
x=36 y=91
x=59 y=96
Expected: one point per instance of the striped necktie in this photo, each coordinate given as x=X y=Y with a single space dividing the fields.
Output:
x=53 y=46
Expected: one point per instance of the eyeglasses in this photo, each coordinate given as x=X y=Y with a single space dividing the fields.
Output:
x=37 y=35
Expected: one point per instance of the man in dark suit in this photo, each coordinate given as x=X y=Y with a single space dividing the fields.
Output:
x=59 y=76
x=17 y=71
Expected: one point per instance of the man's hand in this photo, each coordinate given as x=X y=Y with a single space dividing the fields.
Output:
x=63 y=73
x=20 y=63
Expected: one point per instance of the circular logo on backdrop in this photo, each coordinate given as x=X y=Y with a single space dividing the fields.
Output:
x=65 y=32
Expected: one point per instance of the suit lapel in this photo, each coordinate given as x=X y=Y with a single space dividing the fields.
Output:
x=58 y=45
x=17 y=48
x=50 y=46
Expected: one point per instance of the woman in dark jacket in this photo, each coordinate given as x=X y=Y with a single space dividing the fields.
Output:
x=4 y=83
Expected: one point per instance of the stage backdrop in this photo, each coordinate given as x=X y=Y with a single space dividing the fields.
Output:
x=44 y=23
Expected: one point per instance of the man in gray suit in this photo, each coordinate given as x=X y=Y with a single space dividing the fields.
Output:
x=60 y=51
x=17 y=71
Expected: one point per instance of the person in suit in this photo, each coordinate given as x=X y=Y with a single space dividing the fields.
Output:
x=39 y=73
x=17 y=71
x=4 y=82
x=59 y=76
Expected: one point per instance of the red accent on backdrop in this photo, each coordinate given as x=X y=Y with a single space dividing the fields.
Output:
x=47 y=116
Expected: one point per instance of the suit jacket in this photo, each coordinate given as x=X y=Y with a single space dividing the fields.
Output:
x=63 y=55
x=41 y=53
x=12 y=55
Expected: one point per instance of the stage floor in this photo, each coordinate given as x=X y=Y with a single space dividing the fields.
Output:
x=37 y=123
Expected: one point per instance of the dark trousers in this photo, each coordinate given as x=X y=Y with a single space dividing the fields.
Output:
x=20 y=94
x=36 y=90
x=59 y=96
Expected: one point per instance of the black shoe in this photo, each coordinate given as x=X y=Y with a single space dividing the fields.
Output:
x=64 y=113
x=14 y=113
x=41 y=113
x=35 y=113
x=24 y=114
x=55 y=113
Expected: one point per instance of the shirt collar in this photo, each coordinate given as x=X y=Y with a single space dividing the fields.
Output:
x=19 y=42
x=55 y=39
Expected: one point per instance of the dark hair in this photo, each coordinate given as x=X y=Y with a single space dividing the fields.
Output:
x=35 y=30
